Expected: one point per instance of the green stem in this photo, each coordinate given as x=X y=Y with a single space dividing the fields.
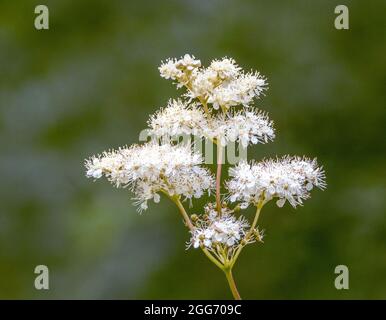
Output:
x=257 y=214
x=232 y=283
x=213 y=259
x=181 y=208
x=184 y=214
x=250 y=232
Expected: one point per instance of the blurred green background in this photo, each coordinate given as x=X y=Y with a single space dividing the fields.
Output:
x=90 y=82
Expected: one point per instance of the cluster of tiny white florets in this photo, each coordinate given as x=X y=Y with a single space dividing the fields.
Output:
x=245 y=127
x=225 y=69
x=152 y=168
x=240 y=91
x=208 y=111
x=179 y=69
x=288 y=178
x=178 y=118
x=226 y=231
x=222 y=84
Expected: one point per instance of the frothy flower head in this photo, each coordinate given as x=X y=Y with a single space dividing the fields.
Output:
x=188 y=62
x=287 y=178
x=179 y=69
x=178 y=118
x=152 y=168
x=240 y=91
x=225 y=69
x=223 y=84
x=245 y=127
x=225 y=231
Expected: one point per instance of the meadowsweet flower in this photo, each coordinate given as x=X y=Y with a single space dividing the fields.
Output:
x=169 y=70
x=202 y=84
x=240 y=91
x=288 y=178
x=150 y=168
x=225 y=231
x=249 y=127
x=188 y=62
x=245 y=127
x=178 y=118
x=172 y=168
x=225 y=69
x=222 y=84
x=179 y=70
x=110 y=164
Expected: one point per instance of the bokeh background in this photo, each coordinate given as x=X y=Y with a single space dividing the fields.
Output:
x=90 y=82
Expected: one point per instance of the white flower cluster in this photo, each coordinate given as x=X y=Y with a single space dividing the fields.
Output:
x=288 y=178
x=246 y=127
x=239 y=91
x=175 y=170
x=179 y=69
x=208 y=110
x=225 y=230
x=150 y=168
x=222 y=84
x=179 y=118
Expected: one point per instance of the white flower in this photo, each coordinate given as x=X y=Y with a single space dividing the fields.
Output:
x=179 y=70
x=110 y=164
x=188 y=62
x=168 y=70
x=288 y=178
x=240 y=91
x=225 y=230
x=150 y=168
x=222 y=84
x=245 y=127
x=202 y=83
x=177 y=119
x=226 y=68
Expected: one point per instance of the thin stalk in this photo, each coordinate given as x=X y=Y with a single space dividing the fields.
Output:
x=232 y=283
x=189 y=223
x=218 y=177
x=206 y=109
x=211 y=258
x=254 y=223
x=250 y=232
x=181 y=209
